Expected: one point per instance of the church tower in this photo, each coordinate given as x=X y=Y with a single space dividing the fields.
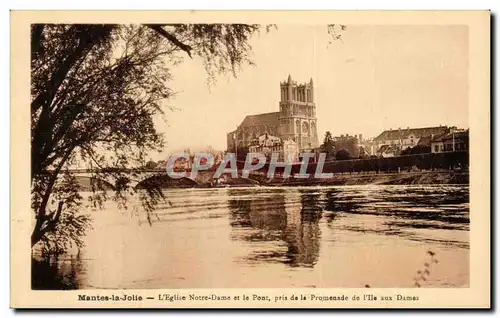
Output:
x=298 y=114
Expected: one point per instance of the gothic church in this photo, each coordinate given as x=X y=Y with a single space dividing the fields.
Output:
x=296 y=119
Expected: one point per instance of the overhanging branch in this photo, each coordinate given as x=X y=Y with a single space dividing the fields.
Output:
x=160 y=30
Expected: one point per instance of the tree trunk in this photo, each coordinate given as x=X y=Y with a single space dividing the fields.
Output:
x=50 y=225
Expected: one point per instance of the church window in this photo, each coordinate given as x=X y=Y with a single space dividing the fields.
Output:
x=305 y=128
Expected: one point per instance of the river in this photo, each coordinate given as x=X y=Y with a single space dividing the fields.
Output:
x=346 y=236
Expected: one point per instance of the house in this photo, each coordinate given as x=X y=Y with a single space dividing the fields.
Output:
x=367 y=146
x=402 y=139
x=455 y=140
x=387 y=151
x=180 y=164
x=426 y=141
x=161 y=164
x=290 y=151
x=266 y=144
x=348 y=143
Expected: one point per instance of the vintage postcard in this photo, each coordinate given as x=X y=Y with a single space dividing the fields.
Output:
x=192 y=159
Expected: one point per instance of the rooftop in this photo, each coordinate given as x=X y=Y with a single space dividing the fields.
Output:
x=396 y=134
x=261 y=119
x=454 y=135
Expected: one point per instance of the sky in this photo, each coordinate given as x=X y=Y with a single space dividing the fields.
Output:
x=375 y=78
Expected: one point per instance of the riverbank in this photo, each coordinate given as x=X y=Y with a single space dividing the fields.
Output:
x=406 y=178
x=205 y=179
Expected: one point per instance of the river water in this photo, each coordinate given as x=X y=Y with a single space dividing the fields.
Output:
x=346 y=236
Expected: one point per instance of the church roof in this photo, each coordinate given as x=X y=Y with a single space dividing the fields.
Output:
x=261 y=119
x=396 y=134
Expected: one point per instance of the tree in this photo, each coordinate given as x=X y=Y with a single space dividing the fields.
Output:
x=95 y=90
x=342 y=154
x=328 y=145
x=241 y=153
x=416 y=150
x=150 y=165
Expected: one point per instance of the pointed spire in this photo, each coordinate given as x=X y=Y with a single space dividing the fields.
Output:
x=311 y=81
x=289 y=79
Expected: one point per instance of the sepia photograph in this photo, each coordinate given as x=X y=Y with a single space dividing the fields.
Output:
x=204 y=154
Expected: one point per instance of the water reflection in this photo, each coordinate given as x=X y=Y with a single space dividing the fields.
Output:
x=305 y=234
x=426 y=207
x=336 y=202
x=289 y=222
x=272 y=233
x=402 y=211
x=56 y=273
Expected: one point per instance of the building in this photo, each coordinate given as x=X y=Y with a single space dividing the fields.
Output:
x=180 y=164
x=295 y=121
x=290 y=152
x=455 y=140
x=349 y=143
x=401 y=139
x=387 y=151
x=367 y=148
x=251 y=128
x=266 y=144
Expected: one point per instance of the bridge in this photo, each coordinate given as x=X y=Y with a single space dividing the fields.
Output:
x=386 y=168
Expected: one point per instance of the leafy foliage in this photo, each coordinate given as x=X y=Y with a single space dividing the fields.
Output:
x=418 y=149
x=342 y=154
x=328 y=145
x=95 y=90
x=224 y=48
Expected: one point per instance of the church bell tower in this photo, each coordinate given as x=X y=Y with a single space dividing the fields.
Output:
x=298 y=114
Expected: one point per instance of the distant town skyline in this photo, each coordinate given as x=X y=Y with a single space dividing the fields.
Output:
x=376 y=78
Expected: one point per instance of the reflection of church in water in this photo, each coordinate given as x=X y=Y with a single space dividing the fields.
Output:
x=294 y=124
x=293 y=222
